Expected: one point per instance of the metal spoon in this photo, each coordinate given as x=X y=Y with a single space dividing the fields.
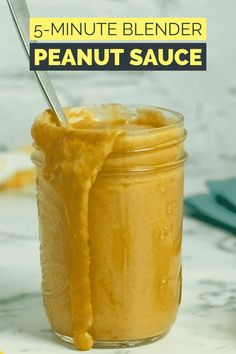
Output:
x=20 y=14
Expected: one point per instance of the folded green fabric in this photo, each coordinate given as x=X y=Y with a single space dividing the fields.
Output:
x=224 y=192
x=206 y=208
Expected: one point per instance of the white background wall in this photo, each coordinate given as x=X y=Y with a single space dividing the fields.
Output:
x=207 y=99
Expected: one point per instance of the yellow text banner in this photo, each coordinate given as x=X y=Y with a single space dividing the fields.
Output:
x=118 y=29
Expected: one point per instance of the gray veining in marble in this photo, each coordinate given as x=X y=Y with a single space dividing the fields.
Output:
x=207 y=319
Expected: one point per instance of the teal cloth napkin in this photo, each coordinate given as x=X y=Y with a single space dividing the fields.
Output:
x=218 y=207
x=224 y=192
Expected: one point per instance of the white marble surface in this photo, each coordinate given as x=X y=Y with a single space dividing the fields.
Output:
x=207 y=319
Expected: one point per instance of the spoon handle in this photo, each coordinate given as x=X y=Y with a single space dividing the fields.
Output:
x=20 y=14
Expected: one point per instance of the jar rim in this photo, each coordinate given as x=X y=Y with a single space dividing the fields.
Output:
x=176 y=119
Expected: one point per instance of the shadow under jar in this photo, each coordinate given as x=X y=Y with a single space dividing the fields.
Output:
x=110 y=201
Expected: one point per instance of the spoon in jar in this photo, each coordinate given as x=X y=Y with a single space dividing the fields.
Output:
x=20 y=15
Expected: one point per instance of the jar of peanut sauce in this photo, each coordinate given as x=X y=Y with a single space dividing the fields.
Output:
x=110 y=201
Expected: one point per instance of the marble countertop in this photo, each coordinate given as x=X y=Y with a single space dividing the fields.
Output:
x=207 y=318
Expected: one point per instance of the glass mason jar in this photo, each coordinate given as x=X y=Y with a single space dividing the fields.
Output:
x=134 y=222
